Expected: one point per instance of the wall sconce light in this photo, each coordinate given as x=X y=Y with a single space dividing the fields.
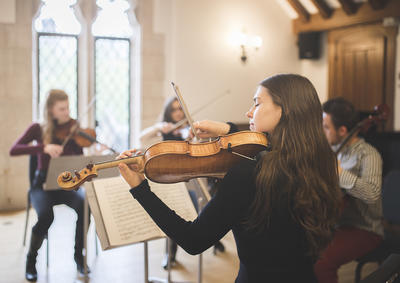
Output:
x=245 y=41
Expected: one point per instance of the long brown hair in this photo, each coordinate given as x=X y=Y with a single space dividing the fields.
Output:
x=49 y=123
x=167 y=113
x=300 y=172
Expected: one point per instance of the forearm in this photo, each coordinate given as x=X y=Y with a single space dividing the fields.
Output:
x=22 y=144
x=194 y=237
x=367 y=186
x=149 y=134
x=21 y=149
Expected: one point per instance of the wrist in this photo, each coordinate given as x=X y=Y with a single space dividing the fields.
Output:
x=232 y=128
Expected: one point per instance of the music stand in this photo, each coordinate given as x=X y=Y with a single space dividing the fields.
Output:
x=76 y=162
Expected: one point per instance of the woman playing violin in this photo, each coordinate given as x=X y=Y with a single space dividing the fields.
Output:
x=172 y=117
x=48 y=145
x=281 y=206
x=166 y=129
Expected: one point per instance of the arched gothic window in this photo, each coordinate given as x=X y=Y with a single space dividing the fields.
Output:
x=57 y=31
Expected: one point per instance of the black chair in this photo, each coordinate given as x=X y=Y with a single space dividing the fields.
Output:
x=32 y=169
x=391 y=222
x=388 y=145
x=389 y=271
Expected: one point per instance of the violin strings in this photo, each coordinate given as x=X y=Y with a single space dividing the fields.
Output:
x=105 y=162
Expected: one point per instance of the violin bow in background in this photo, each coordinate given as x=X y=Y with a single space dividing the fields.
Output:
x=211 y=101
x=190 y=121
x=184 y=108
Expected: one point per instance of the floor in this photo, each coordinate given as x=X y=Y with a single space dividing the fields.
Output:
x=120 y=265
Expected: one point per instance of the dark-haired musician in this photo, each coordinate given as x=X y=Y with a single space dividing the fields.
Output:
x=360 y=175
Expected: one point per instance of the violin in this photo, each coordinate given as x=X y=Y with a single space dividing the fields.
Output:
x=178 y=161
x=82 y=137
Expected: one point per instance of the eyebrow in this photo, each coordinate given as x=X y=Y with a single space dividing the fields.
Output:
x=255 y=98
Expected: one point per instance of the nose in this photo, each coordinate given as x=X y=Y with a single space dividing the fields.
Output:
x=249 y=113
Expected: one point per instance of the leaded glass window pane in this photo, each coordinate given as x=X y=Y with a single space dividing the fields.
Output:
x=58 y=65
x=112 y=73
x=57 y=43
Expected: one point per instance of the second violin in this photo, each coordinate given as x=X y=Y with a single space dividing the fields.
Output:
x=82 y=137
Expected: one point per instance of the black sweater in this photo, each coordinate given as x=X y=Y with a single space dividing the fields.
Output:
x=276 y=254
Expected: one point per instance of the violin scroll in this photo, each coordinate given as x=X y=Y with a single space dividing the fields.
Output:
x=380 y=115
x=67 y=182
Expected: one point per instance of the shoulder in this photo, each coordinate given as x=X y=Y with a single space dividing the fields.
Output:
x=237 y=188
x=366 y=149
x=34 y=128
x=241 y=173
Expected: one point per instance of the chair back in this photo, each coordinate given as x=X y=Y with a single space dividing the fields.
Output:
x=391 y=197
x=32 y=168
x=388 y=145
x=391 y=210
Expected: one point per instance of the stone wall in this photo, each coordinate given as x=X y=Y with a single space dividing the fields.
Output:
x=16 y=86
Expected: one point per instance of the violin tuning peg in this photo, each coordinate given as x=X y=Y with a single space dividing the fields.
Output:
x=66 y=176
x=89 y=166
x=77 y=174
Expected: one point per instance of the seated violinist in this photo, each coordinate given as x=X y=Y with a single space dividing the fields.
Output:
x=172 y=127
x=48 y=144
x=281 y=205
x=360 y=228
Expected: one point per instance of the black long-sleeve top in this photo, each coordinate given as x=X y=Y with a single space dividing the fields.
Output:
x=275 y=254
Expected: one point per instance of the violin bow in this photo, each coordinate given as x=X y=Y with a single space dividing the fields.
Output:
x=184 y=108
x=76 y=126
x=211 y=101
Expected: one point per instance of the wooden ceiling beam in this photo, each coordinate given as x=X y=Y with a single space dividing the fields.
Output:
x=377 y=4
x=304 y=16
x=323 y=8
x=348 y=6
x=339 y=18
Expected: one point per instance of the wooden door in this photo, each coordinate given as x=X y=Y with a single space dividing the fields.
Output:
x=361 y=66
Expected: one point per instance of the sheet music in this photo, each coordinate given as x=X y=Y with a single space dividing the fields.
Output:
x=124 y=221
x=177 y=198
x=98 y=219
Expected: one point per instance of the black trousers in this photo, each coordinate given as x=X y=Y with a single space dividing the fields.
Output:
x=43 y=202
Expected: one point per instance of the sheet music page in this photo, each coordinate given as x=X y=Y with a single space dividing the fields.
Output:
x=176 y=197
x=125 y=220
x=98 y=219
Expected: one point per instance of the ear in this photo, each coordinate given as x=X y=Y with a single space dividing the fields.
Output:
x=342 y=131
